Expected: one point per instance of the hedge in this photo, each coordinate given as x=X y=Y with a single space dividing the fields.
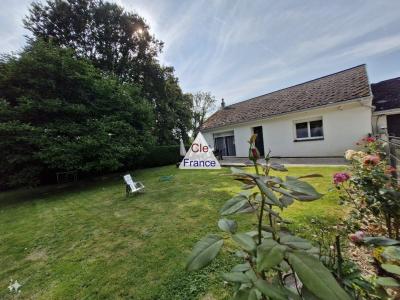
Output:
x=161 y=156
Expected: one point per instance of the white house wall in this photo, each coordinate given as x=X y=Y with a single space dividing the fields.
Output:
x=343 y=126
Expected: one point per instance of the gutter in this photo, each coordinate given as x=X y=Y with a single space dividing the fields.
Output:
x=392 y=111
x=363 y=101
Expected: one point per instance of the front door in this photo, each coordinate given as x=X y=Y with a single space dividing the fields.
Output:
x=259 y=140
x=393 y=125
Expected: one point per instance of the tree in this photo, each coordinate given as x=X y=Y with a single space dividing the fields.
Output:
x=203 y=104
x=113 y=39
x=59 y=113
x=120 y=43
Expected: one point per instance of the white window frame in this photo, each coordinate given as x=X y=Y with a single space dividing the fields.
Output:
x=309 y=138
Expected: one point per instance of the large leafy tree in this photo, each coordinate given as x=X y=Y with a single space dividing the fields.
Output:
x=118 y=42
x=203 y=104
x=60 y=113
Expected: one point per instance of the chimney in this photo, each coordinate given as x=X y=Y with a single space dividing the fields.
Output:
x=222 y=103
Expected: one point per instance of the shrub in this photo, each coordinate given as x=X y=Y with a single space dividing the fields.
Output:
x=370 y=187
x=59 y=113
x=158 y=156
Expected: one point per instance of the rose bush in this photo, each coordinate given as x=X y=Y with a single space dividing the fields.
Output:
x=371 y=188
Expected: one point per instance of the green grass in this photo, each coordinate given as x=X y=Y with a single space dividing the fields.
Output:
x=91 y=242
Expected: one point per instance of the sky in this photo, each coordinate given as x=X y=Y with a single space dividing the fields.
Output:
x=238 y=49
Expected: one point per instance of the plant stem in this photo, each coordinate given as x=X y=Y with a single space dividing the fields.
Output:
x=256 y=167
x=271 y=224
x=339 y=256
x=260 y=219
x=295 y=280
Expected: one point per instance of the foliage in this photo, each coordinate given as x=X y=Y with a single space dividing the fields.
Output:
x=158 y=156
x=203 y=103
x=275 y=263
x=117 y=42
x=331 y=241
x=59 y=113
x=113 y=39
x=371 y=189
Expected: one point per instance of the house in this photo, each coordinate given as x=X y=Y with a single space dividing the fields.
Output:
x=320 y=118
x=386 y=116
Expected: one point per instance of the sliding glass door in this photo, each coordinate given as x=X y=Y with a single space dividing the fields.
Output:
x=225 y=144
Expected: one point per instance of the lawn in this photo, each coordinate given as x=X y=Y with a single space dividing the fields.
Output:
x=91 y=242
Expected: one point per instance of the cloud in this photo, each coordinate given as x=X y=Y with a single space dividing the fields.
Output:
x=378 y=46
x=238 y=49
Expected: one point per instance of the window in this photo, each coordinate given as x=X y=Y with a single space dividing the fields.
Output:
x=309 y=130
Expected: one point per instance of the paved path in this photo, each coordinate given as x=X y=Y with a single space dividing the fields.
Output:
x=301 y=161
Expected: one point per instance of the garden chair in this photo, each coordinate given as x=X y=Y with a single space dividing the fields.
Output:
x=132 y=187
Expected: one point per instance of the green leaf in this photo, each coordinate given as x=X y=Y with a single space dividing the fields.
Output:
x=391 y=253
x=204 y=252
x=275 y=292
x=241 y=267
x=245 y=241
x=268 y=192
x=295 y=242
x=272 y=212
x=233 y=205
x=302 y=187
x=380 y=241
x=286 y=200
x=246 y=208
x=247 y=186
x=253 y=294
x=387 y=281
x=258 y=198
x=315 y=276
x=242 y=294
x=307 y=295
x=391 y=268
x=227 y=225
x=254 y=234
x=278 y=167
x=236 y=277
x=269 y=254
x=251 y=275
x=274 y=179
x=304 y=197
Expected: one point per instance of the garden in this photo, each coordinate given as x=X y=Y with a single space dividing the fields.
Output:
x=90 y=241
x=88 y=98
x=311 y=233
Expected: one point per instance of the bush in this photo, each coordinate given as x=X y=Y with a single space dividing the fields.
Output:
x=59 y=113
x=161 y=156
x=370 y=187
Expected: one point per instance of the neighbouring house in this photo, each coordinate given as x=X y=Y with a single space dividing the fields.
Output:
x=386 y=116
x=319 y=118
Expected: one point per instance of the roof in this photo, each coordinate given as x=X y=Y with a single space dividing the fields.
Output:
x=334 y=88
x=386 y=94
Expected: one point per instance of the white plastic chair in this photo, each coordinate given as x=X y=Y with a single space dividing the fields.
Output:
x=132 y=187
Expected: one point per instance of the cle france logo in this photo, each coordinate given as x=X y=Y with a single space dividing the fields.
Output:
x=199 y=156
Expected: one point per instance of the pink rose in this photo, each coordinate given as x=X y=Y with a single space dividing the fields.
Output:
x=340 y=177
x=357 y=237
x=371 y=160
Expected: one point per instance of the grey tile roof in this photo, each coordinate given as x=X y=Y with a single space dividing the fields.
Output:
x=338 y=87
x=386 y=94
